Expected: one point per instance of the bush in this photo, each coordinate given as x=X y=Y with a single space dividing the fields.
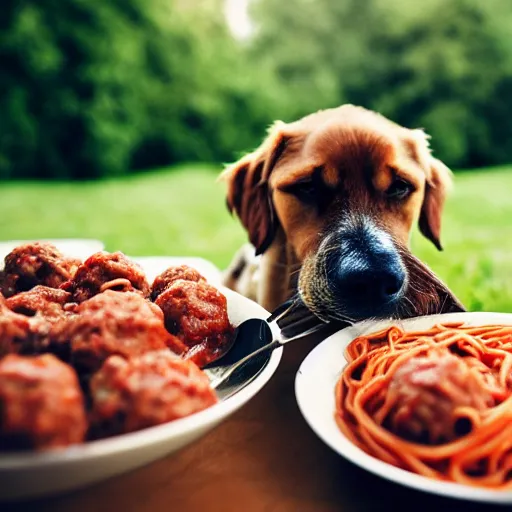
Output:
x=443 y=65
x=95 y=88
x=70 y=88
x=90 y=88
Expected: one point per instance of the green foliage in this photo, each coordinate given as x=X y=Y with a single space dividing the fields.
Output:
x=90 y=88
x=71 y=107
x=443 y=65
x=204 y=105
x=94 y=88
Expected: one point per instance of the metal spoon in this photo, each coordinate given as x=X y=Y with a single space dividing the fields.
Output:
x=252 y=345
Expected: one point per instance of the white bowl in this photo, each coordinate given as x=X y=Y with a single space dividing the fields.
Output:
x=31 y=475
x=314 y=389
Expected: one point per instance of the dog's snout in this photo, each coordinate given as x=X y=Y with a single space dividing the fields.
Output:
x=366 y=274
x=370 y=285
x=391 y=282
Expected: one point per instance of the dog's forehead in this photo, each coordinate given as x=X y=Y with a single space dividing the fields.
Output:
x=348 y=142
x=342 y=148
x=340 y=144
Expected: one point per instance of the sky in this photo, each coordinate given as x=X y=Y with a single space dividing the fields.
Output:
x=238 y=18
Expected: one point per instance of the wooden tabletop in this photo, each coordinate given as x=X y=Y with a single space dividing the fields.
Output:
x=263 y=459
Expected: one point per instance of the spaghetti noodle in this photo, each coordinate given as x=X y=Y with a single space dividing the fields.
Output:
x=437 y=403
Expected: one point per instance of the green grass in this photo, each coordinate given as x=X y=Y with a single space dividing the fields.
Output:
x=477 y=236
x=178 y=212
x=182 y=212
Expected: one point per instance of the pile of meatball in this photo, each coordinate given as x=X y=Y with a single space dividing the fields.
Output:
x=92 y=349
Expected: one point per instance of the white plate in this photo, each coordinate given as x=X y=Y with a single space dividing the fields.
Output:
x=314 y=389
x=38 y=474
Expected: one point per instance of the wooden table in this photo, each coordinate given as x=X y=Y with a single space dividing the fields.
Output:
x=264 y=459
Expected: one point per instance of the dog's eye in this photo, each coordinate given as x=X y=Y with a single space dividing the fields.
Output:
x=305 y=191
x=399 y=189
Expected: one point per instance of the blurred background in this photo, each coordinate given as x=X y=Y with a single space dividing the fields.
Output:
x=117 y=116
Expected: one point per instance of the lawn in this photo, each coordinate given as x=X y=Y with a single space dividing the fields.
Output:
x=182 y=212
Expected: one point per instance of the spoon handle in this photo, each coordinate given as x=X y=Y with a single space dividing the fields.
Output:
x=268 y=348
x=284 y=340
x=220 y=379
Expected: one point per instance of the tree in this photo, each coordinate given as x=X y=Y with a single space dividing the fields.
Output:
x=69 y=91
x=92 y=88
x=443 y=65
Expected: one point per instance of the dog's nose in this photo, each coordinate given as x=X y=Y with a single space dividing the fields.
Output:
x=367 y=275
x=371 y=285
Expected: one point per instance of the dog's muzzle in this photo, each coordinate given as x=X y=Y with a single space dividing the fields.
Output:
x=357 y=273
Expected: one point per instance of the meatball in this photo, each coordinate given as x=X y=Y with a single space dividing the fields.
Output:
x=152 y=389
x=166 y=278
x=41 y=405
x=196 y=313
x=32 y=264
x=45 y=308
x=16 y=334
x=426 y=390
x=114 y=323
x=50 y=303
x=103 y=271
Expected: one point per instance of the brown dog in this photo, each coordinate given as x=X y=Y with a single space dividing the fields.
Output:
x=329 y=202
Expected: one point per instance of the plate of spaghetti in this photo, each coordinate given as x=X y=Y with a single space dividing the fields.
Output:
x=423 y=402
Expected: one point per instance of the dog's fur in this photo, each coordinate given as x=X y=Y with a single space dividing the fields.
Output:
x=336 y=183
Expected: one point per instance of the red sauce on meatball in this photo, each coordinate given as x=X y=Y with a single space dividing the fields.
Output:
x=103 y=271
x=115 y=323
x=45 y=308
x=16 y=335
x=157 y=387
x=35 y=264
x=41 y=405
x=197 y=314
x=172 y=274
x=427 y=390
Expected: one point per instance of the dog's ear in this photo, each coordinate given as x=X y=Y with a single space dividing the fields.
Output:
x=438 y=184
x=248 y=193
